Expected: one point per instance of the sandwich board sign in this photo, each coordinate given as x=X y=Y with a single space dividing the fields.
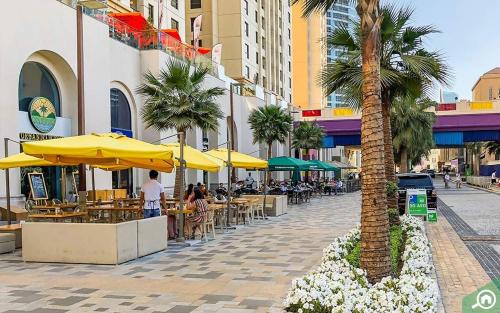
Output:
x=432 y=215
x=416 y=202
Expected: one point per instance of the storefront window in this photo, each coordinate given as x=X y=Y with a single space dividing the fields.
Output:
x=36 y=80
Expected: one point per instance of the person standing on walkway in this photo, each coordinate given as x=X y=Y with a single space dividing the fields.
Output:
x=152 y=196
x=494 y=177
x=446 y=180
x=249 y=181
x=459 y=180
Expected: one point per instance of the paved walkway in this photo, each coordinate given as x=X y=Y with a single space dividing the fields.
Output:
x=246 y=271
x=464 y=260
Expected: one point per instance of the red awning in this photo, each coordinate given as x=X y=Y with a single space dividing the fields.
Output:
x=173 y=33
x=134 y=20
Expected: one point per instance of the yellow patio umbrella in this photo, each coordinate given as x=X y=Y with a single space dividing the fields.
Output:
x=109 y=150
x=22 y=160
x=193 y=158
x=238 y=159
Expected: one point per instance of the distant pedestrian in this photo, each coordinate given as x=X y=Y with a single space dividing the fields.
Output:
x=446 y=180
x=459 y=181
x=494 y=177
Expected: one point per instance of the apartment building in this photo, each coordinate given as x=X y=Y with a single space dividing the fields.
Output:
x=311 y=54
x=256 y=38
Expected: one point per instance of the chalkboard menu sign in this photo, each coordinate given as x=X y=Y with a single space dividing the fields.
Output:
x=76 y=182
x=37 y=185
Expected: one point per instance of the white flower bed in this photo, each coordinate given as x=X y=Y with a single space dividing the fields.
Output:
x=337 y=287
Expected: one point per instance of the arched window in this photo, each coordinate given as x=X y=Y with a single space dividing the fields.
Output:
x=121 y=122
x=121 y=119
x=36 y=80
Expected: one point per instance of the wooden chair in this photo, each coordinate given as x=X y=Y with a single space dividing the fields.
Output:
x=258 y=209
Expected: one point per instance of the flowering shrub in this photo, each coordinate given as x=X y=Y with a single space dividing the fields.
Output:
x=337 y=287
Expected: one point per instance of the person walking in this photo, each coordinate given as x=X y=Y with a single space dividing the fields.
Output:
x=494 y=177
x=152 y=196
x=446 y=180
x=459 y=180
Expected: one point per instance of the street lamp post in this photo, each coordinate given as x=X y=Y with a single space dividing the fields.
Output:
x=94 y=5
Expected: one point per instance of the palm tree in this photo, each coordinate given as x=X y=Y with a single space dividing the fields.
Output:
x=308 y=135
x=375 y=253
x=412 y=130
x=270 y=123
x=492 y=147
x=177 y=100
x=406 y=68
x=475 y=148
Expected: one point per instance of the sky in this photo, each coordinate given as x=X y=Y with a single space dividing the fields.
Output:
x=469 y=37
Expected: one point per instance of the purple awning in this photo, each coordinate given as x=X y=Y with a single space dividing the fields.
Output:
x=462 y=122
x=467 y=122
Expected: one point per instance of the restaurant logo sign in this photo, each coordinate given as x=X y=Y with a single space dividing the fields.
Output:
x=42 y=114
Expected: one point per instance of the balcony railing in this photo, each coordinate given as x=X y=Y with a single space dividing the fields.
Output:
x=147 y=40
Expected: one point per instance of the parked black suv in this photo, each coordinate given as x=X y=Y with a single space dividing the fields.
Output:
x=415 y=181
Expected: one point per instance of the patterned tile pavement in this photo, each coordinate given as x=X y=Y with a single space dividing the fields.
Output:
x=245 y=271
x=464 y=260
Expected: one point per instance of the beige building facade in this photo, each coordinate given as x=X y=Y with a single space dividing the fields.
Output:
x=308 y=59
x=256 y=39
x=487 y=87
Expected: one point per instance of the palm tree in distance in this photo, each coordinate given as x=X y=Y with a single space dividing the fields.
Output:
x=270 y=124
x=412 y=130
x=308 y=135
x=177 y=100
x=407 y=69
x=375 y=250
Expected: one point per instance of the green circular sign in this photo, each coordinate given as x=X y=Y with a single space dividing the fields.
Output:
x=42 y=114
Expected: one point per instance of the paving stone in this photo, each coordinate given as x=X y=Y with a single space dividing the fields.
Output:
x=182 y=309
x=67 y=301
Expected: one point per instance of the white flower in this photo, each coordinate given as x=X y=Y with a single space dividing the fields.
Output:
x=337 y=287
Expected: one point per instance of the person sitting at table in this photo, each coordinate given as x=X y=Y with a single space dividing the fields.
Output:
x=189 y=194
x=152 y=196
x=200 y=208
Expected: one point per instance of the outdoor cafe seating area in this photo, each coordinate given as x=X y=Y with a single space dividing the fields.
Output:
x=108 y=226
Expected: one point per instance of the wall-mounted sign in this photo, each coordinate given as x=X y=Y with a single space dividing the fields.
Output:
x=42 y=114
x=309 y=113
x=36 y=137
x=37 y=185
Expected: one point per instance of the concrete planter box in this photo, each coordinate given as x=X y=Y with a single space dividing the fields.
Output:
x=275 y=205
x=93 y=243
x=151 y=235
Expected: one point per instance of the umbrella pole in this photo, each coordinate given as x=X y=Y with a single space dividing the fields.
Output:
x=228 y=184
x=7 y=181
x=180 y=238
x=266 y=173
x=93 y=185
x=63 y=184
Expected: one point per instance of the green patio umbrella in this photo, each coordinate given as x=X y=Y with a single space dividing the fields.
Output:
x=291 y=164
x=323 y=166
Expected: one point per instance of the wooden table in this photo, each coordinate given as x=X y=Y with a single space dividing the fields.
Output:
x=55 y=207
x=15 y=229
x=103 y=202
x=175 y=211
x=17 y=213
x=114 y=211
x=60 y=216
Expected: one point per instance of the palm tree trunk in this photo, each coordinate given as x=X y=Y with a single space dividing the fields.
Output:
x=403 y=167
x=390 y=176
x=375 y=255
x=477 y=162
x=177 y=189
